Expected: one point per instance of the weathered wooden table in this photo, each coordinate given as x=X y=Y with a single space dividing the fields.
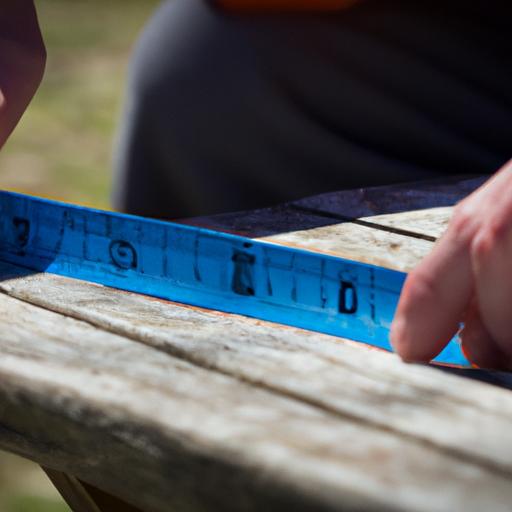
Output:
x=176 y=408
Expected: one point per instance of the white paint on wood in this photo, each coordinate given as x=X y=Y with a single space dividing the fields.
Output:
x=360 y=243
x=71 y=382
x=351 y=380
x=430 y=222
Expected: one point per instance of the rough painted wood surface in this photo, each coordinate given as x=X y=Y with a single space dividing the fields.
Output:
x=336 y=375
x=394 y=198
x=358 y=224
x=170 y=435
x=360 y=243
x=173 y=407
x=431 y=222
x=335 y=207
x=369 y=239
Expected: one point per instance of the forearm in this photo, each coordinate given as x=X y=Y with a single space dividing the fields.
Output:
x=22 y=61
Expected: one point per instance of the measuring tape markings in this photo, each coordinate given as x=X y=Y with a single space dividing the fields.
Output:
x=205 y=268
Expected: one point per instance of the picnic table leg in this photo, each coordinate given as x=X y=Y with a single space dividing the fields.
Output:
x=83 y=497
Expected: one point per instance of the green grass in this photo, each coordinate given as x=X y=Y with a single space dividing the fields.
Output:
x=62 y=149
x=24 y=503
x=25 y=488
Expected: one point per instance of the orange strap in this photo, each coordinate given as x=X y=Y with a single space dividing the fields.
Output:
x=288 y=5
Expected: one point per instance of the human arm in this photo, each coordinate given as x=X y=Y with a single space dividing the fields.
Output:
x=466 y=278
x=22 y=61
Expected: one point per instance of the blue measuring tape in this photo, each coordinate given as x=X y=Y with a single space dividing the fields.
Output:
x=205 y=268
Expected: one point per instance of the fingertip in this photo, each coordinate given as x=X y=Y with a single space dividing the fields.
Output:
x=405 y=342
x=402 y=334
x=398 y=339
x=432 y=302
x=419 y=330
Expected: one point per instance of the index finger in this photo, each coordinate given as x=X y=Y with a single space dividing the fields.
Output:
x=433 y=300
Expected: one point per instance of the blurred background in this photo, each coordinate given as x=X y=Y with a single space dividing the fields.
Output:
x=62 y=149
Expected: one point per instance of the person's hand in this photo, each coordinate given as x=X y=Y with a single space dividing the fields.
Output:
x=22 y=61
x=466 y=278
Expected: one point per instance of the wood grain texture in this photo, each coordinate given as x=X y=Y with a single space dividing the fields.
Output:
x=421 y=208
x=373 y=243
x=431 y=222
x=169 y=435
x=263 y=222
x=344 y=205
x=359 y=243
x=468 y=419
x=398 y=198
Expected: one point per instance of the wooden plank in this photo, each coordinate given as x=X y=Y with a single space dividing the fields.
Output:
x=82 y=497
x=342 y=206
x=344 y=239
x=261 y=223
x=393 y=240
x=431 y=222
x=165 y=434
x=369 y=239
x=73 y=492
x=359 y=243
x=398 y=198
x=450 y=414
